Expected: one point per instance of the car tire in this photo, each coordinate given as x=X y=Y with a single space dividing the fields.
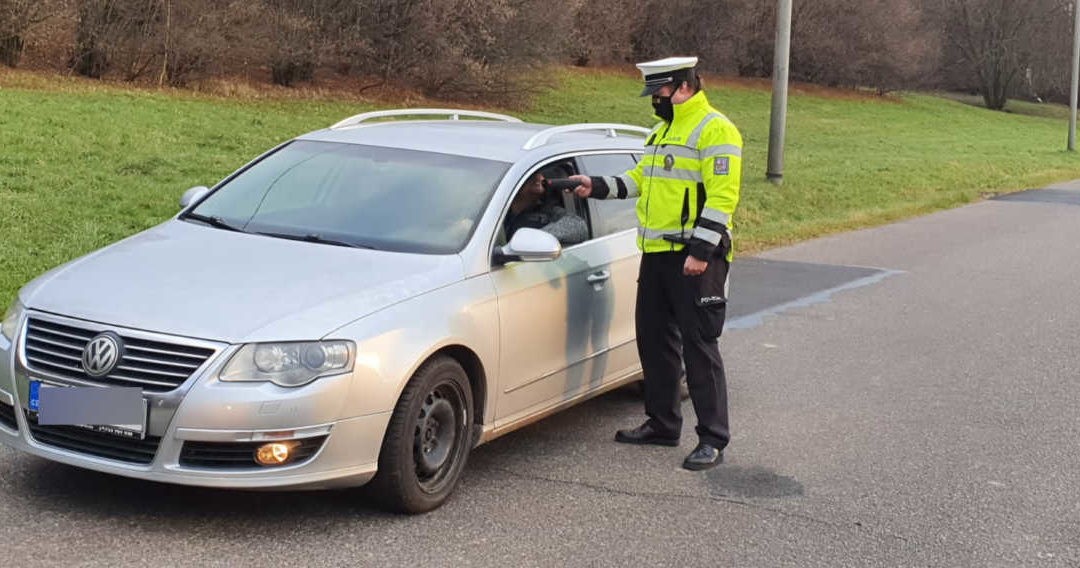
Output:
x=428 y=440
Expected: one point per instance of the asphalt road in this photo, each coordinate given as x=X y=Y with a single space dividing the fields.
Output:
x=900 y=396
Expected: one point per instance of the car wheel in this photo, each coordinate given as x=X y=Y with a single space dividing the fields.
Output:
x=428 y=439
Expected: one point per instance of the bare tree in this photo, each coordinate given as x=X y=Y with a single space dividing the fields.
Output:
x=992 y=40
x=381 y=38
x=688 y=27
x=601 y=31
x=482 y=48
x=752 y=46
x=873 y=43
x=98 y=23
x=206 y=37
x=177 y=40
x=1046 y=76
x=294 y=40
x=137 y=44
x=460 y=48
x=17 y=17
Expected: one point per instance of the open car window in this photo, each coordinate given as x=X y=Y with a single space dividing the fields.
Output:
x=565 y=231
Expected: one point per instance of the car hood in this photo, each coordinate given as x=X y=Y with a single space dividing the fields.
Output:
x=186 y=279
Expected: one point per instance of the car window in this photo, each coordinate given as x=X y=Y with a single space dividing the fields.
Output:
x=550 y=211
x=610 y=215
x=384 y=198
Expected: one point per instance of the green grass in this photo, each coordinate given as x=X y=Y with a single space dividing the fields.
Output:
x=84 y=164
x=1027 y=108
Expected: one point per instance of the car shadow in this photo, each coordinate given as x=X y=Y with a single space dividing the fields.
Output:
x=55 y=486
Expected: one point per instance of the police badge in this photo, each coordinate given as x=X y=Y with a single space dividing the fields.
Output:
x=669 y=162
x=722 y=166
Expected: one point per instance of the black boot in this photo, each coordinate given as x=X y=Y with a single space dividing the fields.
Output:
x=704 y=456
x=645 y=434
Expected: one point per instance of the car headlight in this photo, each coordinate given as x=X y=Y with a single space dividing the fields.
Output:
x=11 y=319
x=291 y=364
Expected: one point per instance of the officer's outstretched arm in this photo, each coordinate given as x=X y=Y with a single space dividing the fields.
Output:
x=720 y=148
x=618 y=187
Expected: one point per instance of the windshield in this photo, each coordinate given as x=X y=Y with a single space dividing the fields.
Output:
x=353 y=195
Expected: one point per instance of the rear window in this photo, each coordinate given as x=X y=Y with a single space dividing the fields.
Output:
x=611 y=215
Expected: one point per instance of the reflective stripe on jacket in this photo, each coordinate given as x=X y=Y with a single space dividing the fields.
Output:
x=687 y=183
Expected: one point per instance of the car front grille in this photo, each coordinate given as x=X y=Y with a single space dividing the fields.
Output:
x=156 y=366
x=99 y=444
x=240 y=455
x=7 y=416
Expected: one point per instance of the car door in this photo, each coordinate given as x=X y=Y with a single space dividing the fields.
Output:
x=614 y=223
x=566 y=326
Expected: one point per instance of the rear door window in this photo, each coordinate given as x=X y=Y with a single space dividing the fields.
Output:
x=609 y=216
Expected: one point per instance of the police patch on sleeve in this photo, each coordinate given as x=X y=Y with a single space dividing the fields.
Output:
x=721 y=166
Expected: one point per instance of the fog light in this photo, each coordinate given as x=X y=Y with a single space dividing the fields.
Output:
x=275 y=453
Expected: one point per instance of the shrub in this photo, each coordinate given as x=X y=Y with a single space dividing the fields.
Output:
x=17 y=17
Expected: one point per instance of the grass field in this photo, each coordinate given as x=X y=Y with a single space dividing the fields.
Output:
x=84 y=164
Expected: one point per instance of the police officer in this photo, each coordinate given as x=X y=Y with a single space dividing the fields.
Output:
x=687 y=185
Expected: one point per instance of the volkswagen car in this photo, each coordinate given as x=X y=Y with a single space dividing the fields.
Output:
x=345 y=309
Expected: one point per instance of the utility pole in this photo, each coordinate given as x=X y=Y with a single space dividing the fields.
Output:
x=1075 y=77
x=778 y=126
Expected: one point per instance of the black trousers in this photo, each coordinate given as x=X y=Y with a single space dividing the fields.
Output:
x=677 y=317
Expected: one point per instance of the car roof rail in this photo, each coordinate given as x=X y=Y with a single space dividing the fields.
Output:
x=452 y=113
x=542 y=137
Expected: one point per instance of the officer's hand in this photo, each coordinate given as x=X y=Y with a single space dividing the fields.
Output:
x=585 y=189
x=693 y=266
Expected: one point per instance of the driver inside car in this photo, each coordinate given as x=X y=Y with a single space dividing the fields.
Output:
x=537 y=208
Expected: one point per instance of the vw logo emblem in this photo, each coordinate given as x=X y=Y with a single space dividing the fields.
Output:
x=102 y=354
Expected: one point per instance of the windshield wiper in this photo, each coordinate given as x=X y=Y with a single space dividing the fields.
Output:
x=316 y=238
x=214 y=221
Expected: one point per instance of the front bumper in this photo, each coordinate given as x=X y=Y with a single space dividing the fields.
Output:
x=333 y=466
x=206 y=410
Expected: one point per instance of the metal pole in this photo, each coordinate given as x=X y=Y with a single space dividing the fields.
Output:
x=1075 y=77
x=777 y=128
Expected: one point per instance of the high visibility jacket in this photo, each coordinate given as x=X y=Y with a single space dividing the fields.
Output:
x=687 y=183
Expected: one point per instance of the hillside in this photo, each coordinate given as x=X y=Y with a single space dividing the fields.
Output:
x=85 y=163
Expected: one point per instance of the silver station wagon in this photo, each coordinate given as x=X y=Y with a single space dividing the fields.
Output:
x=353 y=306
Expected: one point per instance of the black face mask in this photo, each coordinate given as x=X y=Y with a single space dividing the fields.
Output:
x=663 y=107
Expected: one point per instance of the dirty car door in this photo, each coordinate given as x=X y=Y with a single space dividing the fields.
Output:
x=614 y=229
x=548 y=312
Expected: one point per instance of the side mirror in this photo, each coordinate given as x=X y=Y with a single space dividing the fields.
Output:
x=192 y=195
x=531 y=245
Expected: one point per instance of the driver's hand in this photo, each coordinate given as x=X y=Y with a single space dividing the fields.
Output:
x=585 y=188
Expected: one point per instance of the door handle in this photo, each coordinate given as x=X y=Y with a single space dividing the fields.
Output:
x=598 y=278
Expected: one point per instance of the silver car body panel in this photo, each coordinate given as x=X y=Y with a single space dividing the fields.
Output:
x=201 y=282
x=542 y=335
x=560 y=334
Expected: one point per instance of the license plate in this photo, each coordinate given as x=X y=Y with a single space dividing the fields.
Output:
x=133 y=430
